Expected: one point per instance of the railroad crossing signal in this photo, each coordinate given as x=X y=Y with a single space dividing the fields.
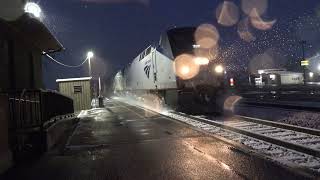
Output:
x=305 y=63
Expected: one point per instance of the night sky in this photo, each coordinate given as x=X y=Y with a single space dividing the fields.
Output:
x=118 y=30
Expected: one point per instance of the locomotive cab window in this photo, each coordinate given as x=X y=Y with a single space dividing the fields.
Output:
x=148 y=51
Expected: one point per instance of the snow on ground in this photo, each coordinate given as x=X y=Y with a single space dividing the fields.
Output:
x=293 y=117
x=277 y=153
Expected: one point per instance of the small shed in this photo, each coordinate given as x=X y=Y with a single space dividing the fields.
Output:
x=79 y=89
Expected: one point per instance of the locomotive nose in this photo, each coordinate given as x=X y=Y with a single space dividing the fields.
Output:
x=201 y=60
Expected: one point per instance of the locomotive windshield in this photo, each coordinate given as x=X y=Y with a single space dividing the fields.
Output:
x=181 y=40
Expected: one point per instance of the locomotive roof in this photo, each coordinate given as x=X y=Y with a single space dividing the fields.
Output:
x=179 y=29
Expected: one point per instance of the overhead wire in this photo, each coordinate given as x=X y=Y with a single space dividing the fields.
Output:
x=65 y=65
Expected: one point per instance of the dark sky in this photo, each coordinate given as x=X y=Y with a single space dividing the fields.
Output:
x=117 y=30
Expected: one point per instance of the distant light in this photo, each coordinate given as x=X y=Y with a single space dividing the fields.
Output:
x=231 y=82
x=185 y=70
x=311 y=74
x=201 y=60
x=195 y=46
x=272 y=77
x=260 y=71
x=90 y=54
x=218 y=69
x=33 y=8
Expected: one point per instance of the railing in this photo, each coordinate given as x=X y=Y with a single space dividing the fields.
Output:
x=25 y=110
x=30 y=113
x=55 y=104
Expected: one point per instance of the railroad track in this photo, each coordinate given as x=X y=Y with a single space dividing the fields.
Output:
x=289 y=106
x=288 y=146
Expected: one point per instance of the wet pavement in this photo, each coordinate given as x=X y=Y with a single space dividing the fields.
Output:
x=126 y=142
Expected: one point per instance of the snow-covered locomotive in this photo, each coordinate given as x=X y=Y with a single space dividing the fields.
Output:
x=178 y=70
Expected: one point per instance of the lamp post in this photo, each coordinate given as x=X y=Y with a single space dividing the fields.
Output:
x=303 y=43
x=89 y=56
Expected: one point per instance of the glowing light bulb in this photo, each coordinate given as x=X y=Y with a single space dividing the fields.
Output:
x=90 y=54
x=33 y=9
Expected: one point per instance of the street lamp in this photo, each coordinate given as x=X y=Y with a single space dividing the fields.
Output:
x=33 y=9
x=303 y=43
x=89 y=56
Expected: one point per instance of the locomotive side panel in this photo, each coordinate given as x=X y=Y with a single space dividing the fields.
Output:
x=141 y=73
x=166 y=77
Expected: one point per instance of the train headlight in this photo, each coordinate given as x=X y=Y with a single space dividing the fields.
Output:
x=201 y=60
x=219 y=69
x=185 y=70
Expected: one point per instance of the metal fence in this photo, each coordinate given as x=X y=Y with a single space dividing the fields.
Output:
x=30 y=113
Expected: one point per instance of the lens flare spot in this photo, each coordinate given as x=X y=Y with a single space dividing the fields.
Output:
x=185 y=66
x=258 y=23
x=244 y=31
x=207 y=36
x=230 y=103
x=213 y=53
x=260 y=6
x=261 y=61
x=227 y=13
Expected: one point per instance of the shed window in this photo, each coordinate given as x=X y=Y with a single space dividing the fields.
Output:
x=77 y=89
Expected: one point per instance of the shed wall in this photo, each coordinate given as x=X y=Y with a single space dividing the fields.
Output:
x=81 y=100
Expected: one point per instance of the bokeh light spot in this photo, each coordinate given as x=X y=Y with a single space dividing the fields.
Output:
x=260 y=6
x=227 y=13
x=261 y=61
x=207 y=36
x=185 y=66
x=258 y=23
x=244 y=31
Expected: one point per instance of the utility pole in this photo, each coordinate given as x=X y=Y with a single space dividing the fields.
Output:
x=89 y=63
x=303 y=43
x=89 y=56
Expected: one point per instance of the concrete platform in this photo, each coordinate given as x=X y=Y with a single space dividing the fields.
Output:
x=126 y=142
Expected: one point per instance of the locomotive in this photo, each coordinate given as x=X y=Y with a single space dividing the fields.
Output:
x=178 y=70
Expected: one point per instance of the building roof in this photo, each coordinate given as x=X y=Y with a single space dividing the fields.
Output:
x=34 y=31
x=278 y=71
x=74 y=79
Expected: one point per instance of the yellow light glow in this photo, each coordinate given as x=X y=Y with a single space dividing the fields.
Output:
x=185 y=66
x=218 y=69
x=185 y=70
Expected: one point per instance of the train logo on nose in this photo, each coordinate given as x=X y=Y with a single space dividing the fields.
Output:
x=147 y=70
